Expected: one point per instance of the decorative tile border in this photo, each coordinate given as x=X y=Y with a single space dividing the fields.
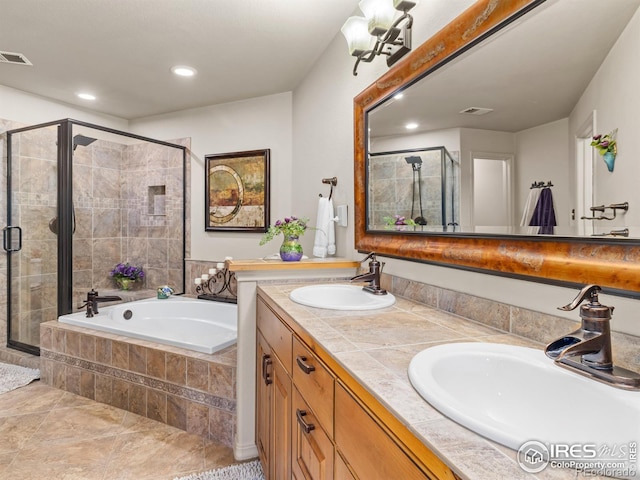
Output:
x=143 y=380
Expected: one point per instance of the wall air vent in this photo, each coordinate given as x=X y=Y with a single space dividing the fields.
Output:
x=15 y=58
x=476 y=111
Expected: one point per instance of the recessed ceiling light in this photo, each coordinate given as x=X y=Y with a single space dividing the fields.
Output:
x=86 y=96
x=398 y=96
x=411 y=126
x=183 y=71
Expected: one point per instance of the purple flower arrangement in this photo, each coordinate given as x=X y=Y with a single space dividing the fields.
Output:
x=125 y=270
x=289 y=227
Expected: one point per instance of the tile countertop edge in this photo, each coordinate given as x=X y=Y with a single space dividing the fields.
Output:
x=469 y=455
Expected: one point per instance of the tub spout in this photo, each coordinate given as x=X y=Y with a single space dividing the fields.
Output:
x=93 y=298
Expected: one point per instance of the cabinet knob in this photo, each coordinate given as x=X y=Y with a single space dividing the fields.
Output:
x=305 y=367
x=307 y=427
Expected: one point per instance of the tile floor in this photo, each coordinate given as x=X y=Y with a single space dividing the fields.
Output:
x=46 y=433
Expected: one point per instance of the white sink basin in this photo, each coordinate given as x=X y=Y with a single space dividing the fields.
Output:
x=340 y=297
x=513 y=395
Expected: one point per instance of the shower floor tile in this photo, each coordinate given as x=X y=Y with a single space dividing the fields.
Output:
x=49 y=433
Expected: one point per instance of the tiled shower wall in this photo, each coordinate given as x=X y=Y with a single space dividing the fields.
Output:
x=128 y=207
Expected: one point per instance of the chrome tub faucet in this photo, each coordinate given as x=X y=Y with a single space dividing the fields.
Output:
x=588 y=349
x=373 y=276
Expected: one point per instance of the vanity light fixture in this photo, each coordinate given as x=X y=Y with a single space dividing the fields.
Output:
x=377 y=33
x=183 y=71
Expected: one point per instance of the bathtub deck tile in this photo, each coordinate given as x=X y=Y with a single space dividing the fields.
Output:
x=88 y=347
x=197 y=374
x=103 y=350
x=221 y=381
x=120 y=355
x=120 y=397
x=157 y=406
x=138 y=400
x=72 y=346
x=176 y=369
x=137 y=359
x=156 y=363
x=58 y=340
x=87 y=384
x=104 y=389
x=177 y=412
x=197 y=419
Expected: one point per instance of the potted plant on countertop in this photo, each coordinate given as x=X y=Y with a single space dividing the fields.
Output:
x=292 y=228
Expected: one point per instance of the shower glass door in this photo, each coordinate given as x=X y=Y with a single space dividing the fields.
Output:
x=80 y=199
x=31 y=245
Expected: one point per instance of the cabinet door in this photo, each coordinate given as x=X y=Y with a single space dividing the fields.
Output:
x=312 y=449
x=264 y=380
x=280 y=455
x=369 y=451
x=342 y=471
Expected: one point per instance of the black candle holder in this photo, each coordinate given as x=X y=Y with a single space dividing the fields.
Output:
x=219 y=287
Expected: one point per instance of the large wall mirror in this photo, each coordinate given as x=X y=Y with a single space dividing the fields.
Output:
x=498 y=173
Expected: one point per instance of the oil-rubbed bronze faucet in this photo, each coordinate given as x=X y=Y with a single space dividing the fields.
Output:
x=373 y=276
x=588 y=349
x=93 y=299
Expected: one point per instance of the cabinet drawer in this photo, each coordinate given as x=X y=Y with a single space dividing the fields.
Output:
x=315 y=383
x=370 y=452
x=275 y=333
x=312 y=450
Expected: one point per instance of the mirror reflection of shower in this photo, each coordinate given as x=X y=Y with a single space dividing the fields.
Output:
x=416 y=165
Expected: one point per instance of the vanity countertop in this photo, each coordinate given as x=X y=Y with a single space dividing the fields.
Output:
x=375 y=348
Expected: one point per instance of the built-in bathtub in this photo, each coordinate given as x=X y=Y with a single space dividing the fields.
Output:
x=140 y=371
x=199 y=325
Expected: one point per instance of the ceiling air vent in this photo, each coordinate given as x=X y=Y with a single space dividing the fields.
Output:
x=476 y=111
x=15 y=58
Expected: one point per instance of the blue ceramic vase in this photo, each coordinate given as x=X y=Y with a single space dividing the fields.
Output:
x=609 y=160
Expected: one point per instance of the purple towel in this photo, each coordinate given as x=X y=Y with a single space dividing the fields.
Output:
x=544 y=216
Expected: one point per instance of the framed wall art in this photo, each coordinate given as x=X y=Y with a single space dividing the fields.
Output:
x=237 y=191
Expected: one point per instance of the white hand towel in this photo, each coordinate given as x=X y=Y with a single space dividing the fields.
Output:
x=325 y=243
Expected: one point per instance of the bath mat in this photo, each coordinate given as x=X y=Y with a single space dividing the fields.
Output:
x=14 y=376
x=240 y=471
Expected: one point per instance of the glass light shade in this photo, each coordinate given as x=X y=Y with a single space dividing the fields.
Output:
x=357 y=35
x=379 y=15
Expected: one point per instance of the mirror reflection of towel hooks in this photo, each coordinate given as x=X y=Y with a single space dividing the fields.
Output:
x=333 y=181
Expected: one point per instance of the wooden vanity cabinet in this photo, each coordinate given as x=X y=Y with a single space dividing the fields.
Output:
x=310 y=425
x=273 y=399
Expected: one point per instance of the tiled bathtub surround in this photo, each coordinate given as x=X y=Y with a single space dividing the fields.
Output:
x=192 y=391
x=536 y=326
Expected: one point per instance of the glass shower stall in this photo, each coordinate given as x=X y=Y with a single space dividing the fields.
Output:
x=82 y=198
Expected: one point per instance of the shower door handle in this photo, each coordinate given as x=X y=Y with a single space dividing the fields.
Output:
x=5 y=239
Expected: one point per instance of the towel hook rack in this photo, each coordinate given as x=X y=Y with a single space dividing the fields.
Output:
x=333 y=181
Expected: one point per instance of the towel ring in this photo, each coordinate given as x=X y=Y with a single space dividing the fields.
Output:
x=333 y=181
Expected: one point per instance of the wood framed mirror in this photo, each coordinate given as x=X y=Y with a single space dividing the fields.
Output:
x=611 y=263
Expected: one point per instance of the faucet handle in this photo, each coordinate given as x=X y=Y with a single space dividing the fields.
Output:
x=593 y=310
x=590 y=291
x=371 y=256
